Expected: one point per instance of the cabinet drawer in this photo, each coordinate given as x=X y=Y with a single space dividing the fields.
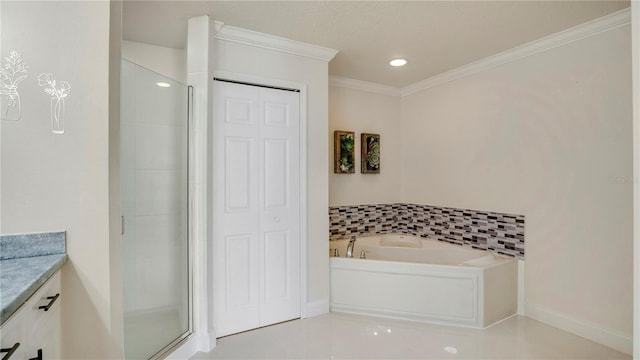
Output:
x=12 y=333
x=48 y=294
x=33 y=327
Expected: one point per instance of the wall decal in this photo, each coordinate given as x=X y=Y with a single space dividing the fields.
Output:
x=370 y=154
x=344 y=160
x=57 y=100
x=12 y=73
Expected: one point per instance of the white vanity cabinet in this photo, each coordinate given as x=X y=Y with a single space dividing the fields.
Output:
x=12 y=336
x=36 y=325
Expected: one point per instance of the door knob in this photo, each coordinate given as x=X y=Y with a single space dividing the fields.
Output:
x=276 y=219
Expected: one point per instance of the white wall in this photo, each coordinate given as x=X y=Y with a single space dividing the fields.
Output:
x=547 y=136
x=366 y=112
x=199 y=72
x=270 y=64
x=61 y=182
x=163 y=60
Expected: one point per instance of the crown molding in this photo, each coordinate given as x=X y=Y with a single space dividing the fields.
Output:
x=270 y=42
x=590 y=28
x=363 y=86
x=218 y=25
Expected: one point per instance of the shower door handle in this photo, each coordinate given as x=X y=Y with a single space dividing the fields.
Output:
x=121 y=225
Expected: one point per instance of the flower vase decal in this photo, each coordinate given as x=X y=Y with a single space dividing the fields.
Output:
x=12 y=73
x=57 y=100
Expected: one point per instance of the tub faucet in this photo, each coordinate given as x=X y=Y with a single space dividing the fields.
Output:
x=352 y=243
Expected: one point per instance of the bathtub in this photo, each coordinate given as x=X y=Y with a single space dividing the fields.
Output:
x=411 y=278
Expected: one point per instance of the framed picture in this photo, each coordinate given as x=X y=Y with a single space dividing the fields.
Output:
x=370 y=156
x=344 y=159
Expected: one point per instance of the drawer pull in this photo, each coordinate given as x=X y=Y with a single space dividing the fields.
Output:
x=9 y=351
x=39 y=357
x=51 y=299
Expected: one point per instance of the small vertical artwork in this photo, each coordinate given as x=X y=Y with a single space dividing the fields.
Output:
x=58 y=93
x=12 y=73
x=370 y=155
x=344 y=159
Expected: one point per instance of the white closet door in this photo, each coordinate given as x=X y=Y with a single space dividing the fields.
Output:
x=280 y=206
x=236 y=213
x=256 y=245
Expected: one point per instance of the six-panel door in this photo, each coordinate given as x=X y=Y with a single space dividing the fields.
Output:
x=256 y=207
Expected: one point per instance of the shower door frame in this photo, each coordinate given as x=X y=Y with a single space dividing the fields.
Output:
x=169 y=348
x=175 y=344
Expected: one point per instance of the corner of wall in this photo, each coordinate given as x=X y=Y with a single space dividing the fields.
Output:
x=315 y=308
x=198 y=69
x=585 y=329
x=557 y=237
x=115 y=225
x=635 y=38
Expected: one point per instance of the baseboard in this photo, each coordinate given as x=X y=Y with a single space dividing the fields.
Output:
x=198 y=342
x=185 y=351
x=316 y=308
x=585 y=329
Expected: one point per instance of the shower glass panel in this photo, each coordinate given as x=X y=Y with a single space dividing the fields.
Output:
x=154 y=153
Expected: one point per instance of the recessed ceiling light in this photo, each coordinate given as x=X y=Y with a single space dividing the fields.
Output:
x=398 y=62
x=163 y=84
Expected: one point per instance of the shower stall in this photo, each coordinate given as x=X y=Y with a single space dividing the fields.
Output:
x=154 y=143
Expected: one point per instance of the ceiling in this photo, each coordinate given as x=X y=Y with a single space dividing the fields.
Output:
x=435 y=36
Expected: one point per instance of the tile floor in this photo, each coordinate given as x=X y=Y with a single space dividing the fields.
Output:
x=343 y=336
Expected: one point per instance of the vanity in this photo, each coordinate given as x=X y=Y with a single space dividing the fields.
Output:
x=30 y=295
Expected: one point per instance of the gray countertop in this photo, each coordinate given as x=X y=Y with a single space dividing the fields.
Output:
x=26 y=262
x=22 y=277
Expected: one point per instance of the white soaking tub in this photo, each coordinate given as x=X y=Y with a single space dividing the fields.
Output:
x=412 y=278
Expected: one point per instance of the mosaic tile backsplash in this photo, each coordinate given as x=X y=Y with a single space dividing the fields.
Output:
x=497 y=232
